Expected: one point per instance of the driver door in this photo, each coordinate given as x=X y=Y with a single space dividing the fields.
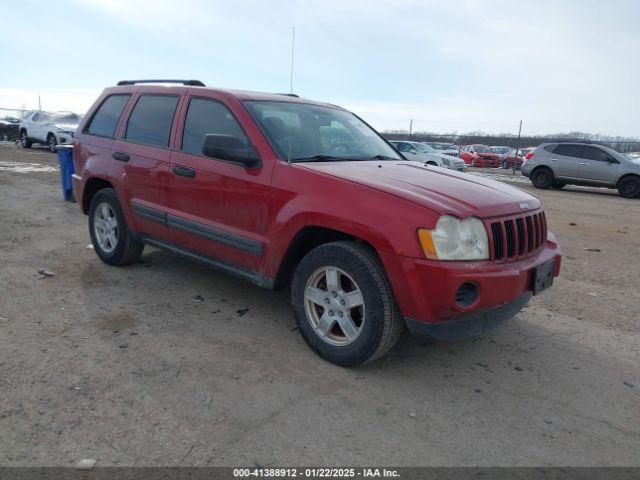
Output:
x=216 y=208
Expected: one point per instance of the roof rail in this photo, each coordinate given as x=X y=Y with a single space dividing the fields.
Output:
x=195 y=83
x=290 y=94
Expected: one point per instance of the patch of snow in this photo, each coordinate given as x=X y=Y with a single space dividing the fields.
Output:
x=24 y=167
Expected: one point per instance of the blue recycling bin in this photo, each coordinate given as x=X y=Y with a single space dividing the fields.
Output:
x=65 y=159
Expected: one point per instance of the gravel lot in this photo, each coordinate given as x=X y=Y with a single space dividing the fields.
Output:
x=161 y=363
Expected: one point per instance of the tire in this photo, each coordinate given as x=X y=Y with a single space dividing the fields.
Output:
x=120 y=248
x=52 y=142
x=558 y=185
x=542 y=178
x=433 y=164
x=24 y=140
x=376 y=323
x=629 y=187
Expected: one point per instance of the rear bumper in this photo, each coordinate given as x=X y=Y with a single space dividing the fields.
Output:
x=429 y=293
x=76 y=181
x=468 y=325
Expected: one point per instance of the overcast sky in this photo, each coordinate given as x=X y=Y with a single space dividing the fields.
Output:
x=450 y=65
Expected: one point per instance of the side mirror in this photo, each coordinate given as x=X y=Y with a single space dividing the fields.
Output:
x=231 y=148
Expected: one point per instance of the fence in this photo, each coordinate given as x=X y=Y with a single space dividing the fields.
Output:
x=622 y=145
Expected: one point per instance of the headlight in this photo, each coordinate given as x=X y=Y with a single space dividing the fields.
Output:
x=455 y=239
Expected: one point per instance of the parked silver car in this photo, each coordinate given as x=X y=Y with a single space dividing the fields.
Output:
x=554 y=165
x=47 y=128
x=419 y=152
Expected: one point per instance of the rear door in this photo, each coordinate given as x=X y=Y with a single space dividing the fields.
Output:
x=598 y=166
x=565 y=160
x=140 y=161
x=217 y=208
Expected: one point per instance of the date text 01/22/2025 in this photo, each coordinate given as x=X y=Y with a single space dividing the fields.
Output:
x=316 y=473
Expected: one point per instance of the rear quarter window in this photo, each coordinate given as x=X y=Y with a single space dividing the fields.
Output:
x=151 y=119
x=569 y=150
x=105 y=119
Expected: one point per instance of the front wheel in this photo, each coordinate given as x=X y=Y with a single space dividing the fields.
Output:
x=542 y=178
x=629 y=187
x=110 y=237
x=52 y=142
x=24 y=140
x=344 y=305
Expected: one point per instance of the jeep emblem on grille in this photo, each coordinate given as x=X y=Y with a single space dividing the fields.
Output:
x=524 y=206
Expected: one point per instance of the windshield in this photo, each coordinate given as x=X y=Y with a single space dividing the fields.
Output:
x=300 y=132
x=424 y=148
x=481 y=149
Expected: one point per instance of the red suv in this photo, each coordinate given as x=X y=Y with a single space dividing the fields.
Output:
x=287 y=192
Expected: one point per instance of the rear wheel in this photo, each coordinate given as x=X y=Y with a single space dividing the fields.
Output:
x=629 y=187
x=343 y=304
x=542 y=178
x=24 y=140
x=111 y=238
x=52 y=142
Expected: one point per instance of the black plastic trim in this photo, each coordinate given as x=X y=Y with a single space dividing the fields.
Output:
x=217 y=235
x=245 y=273
x=468 y=325
x=194 y=83
x=150 y=213
x=220 y=236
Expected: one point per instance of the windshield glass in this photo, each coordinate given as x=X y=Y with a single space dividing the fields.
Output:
x=300 y=131
x=481 y=149
x=424 y=148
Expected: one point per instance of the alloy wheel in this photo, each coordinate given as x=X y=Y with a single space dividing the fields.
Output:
x=105 y=227
x=334 y=306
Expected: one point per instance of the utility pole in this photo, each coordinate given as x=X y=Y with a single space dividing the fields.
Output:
x=410 y=128
x=39 y=105
x=517 y=148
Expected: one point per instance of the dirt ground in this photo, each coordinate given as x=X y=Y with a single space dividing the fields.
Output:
x=159 y=363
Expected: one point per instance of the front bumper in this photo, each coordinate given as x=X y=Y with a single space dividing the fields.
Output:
x=469 y=325
x=429 y=296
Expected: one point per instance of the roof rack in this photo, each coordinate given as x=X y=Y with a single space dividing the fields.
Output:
x=290 y=94
x=195 y=83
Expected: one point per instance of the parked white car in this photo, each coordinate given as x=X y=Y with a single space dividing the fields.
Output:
x=47 y=128
x=419 y=152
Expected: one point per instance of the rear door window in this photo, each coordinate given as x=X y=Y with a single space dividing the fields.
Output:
x=151 y=119
x=208 y=117
x=569 y=151
x=106 y=117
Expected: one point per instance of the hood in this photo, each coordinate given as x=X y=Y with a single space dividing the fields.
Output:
x=487 y=155
x=440 y=190
x=70 y=127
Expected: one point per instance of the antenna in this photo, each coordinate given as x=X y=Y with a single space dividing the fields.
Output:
x=293 y=44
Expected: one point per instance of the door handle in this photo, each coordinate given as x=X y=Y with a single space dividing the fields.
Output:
x=184 y=172
x=584 y=163
x=120 y=156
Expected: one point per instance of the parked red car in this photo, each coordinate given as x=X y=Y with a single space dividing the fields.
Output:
x=479 y=156
x=284 y=191
x=510 y=159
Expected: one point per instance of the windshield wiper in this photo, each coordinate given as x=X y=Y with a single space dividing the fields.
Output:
x=383 y=157
x=316 y=158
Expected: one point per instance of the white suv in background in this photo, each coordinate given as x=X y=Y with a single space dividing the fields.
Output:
x=419 y=152
x=47 y=128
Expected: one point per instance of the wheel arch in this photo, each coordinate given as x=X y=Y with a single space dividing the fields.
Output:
x=93 y=186
x=306 y=239
x=625 y=176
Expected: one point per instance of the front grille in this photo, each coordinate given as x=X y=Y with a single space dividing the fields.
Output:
x=518 y=236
